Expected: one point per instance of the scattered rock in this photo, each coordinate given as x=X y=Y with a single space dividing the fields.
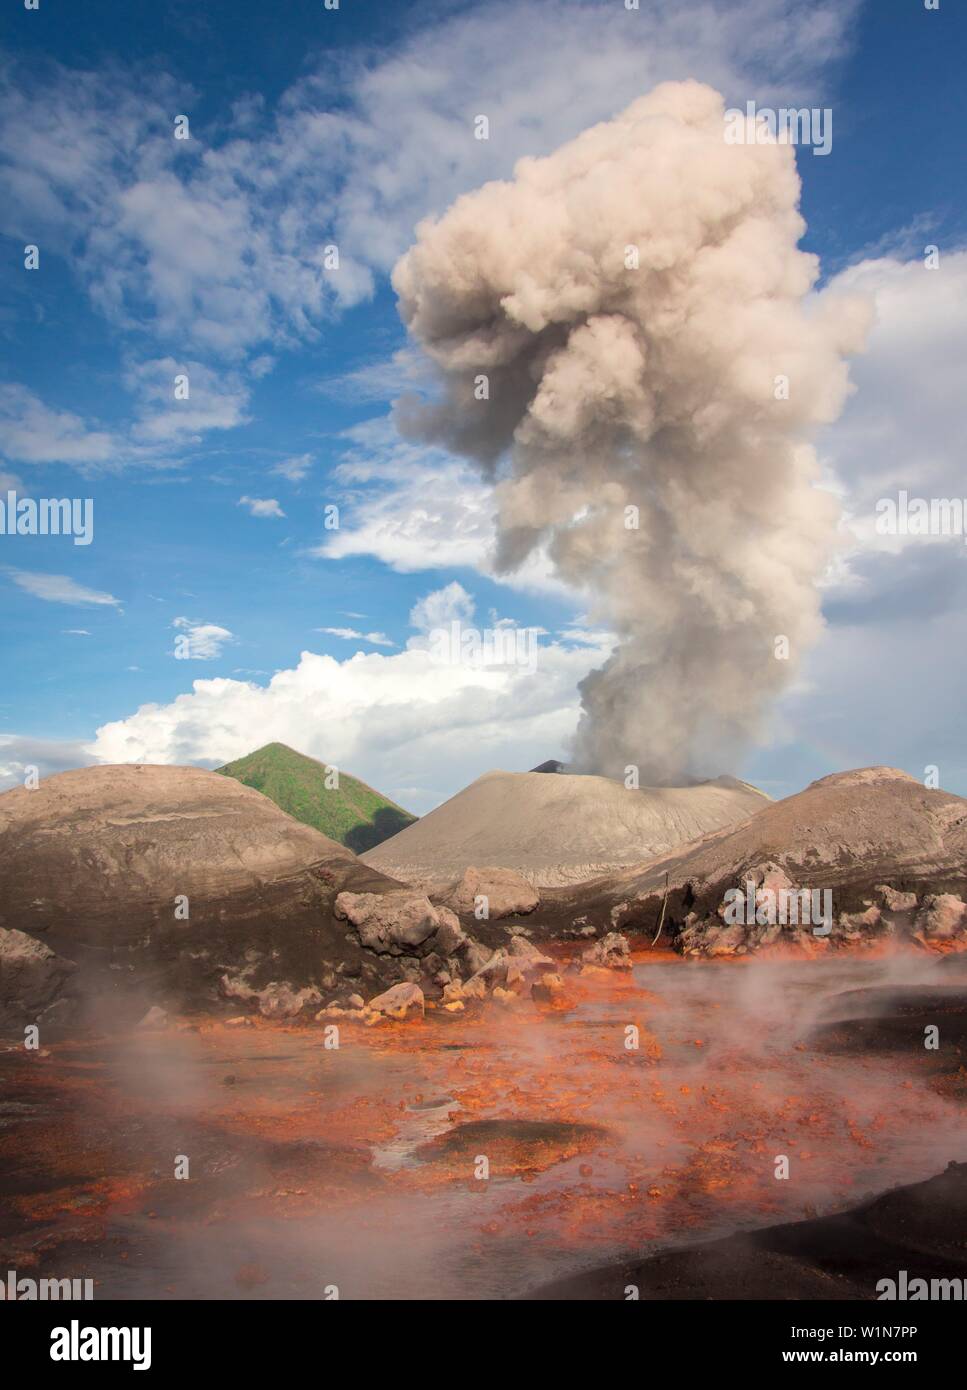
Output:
x=155 y=1018
x=942 y=915
x=450 y=936
x=612 y=952
x=726 y=941
x=279 y=1000
x=333 y=1010
x=475 y=955
x=275 y=1000
x=867 y=920
x=401 y=1002
x=894 y=901
x=505 y=996
x=522 y=949
x=548 y=988
x=510 y=968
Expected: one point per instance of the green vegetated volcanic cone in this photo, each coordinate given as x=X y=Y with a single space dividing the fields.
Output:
x=353 y=813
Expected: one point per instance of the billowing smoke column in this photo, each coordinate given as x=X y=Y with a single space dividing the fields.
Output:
x=645 y=324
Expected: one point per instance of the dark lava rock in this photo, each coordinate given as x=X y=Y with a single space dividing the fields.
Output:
x=33 y=978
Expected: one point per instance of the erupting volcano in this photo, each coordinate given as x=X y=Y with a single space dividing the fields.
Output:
x=559 y=829
x=499 y=316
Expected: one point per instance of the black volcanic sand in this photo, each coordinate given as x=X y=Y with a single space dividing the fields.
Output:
x=895 y=1019
x=922 y=1229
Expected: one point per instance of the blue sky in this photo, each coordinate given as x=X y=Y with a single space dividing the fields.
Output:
x=312 y=128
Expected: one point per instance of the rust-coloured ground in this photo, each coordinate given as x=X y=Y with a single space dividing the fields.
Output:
x=467 y=1156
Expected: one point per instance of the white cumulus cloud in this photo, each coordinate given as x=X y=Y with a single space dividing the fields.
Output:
x=400 y=720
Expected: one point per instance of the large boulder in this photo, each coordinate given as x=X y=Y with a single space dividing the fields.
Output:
x=491 y=894
x=32 y=978
x=393 y=924
x=401 y=923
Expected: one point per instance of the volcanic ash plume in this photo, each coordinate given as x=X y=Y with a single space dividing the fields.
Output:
x=637 y=303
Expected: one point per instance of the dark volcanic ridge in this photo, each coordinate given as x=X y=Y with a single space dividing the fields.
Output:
x=145 y=884
x=921 y=1229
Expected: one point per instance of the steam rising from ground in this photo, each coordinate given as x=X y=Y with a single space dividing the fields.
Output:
x=653 y=386
x=290 y=1190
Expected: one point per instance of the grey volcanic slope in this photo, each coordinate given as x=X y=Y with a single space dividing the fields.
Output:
x=91 y=863
x=559 y=829
x=848 y=832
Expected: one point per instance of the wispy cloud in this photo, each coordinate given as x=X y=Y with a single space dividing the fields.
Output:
x=294 y=469
x=222 y=242
x=349 y=634
x=261 y=506
x=60 y=588
x=181 y=400
x=32 y=432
